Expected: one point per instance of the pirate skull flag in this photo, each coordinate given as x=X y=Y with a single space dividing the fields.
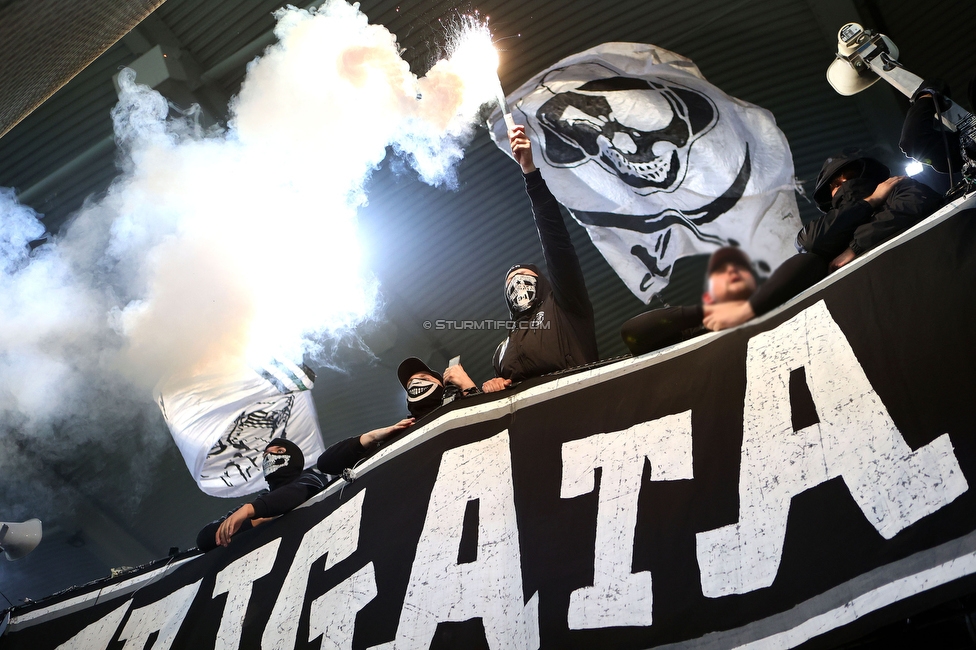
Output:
x=655 y=162
x=222 y=421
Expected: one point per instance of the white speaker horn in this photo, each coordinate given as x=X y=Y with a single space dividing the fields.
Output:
x=19 y=539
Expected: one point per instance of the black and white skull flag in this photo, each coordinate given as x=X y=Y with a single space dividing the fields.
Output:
x=655 y=162
x=222 y=421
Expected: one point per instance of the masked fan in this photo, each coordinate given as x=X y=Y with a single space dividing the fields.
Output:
x=426 y=391
x=554 y=317
x=290 y=483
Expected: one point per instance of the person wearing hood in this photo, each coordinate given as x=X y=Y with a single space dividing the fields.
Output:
x=426 y=392
x=554 y=327
x=863 y=206
x=290 y=483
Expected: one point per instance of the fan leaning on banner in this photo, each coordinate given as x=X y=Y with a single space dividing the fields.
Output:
x=730 y=279
x=290 y=484
x=555 y=318
x=426 y=392
x=284 y=460
x=863 y=207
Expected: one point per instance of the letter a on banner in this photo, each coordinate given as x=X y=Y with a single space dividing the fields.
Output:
x=619 y=597
x=440 y=588
x=855 y=439
x=98 y=634
x=164 y=616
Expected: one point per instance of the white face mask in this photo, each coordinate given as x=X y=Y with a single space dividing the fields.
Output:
x=520 y=292
x=274 y=462
x=419 y=388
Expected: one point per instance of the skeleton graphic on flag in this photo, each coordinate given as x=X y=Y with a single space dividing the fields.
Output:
x=222 y=418
x=655 y=162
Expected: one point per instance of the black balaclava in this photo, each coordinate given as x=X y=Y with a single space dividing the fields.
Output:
x=282 y=469
x=423 y=396
x=524 y=292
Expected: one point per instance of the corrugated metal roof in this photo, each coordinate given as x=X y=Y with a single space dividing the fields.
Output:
x=46 y=42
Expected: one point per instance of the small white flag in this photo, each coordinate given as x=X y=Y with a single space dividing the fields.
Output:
x=222 y=421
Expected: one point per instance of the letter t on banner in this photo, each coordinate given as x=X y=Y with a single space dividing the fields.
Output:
x=619 y=597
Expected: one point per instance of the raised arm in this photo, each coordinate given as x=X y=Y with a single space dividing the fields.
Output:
x=565 y=272
x=924 y=139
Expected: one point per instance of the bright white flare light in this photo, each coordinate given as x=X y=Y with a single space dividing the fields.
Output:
x=473 y=51
x=914 y=168
x=249 y=236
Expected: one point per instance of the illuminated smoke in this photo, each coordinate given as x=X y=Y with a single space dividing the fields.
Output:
x=256 y=251
x=223 y=244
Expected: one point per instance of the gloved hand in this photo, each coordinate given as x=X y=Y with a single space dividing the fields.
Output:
x=935 y=87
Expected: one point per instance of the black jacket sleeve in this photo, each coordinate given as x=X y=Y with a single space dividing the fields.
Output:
x=660 y=328
x=207 y=538
x=565 y=272
x=288 y=497
x=796 y=274
x=924 y=139
x=831 y=234
x=342 y=455
x=908 y=203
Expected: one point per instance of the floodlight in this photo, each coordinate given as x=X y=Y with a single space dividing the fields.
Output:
x=864 y=56
x=19 y=539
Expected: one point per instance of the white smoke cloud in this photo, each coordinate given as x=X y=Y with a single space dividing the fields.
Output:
x=230 y=243
x=234 y=226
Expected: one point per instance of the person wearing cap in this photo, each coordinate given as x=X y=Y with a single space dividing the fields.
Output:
x=554 y=328
x=426 y=391
x=863 y=207
x=290 y=483
x=730 y=281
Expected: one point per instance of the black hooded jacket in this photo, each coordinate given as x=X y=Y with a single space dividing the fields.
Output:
x=558 y=331
x=851 y=222
x=290 y=489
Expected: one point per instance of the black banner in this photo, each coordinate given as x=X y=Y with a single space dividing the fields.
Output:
x=805 y=477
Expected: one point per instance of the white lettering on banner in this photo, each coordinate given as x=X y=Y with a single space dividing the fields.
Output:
x=333 y=615
x=165 y=616
x=337 y=535
x=236 y=580
x=440 y=589
x=855 y=439
x=99 y=634
x=619 y=597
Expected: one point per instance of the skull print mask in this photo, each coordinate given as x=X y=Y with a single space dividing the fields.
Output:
x=520 y=292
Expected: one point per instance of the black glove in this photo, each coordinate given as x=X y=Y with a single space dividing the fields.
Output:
x=937 y=88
